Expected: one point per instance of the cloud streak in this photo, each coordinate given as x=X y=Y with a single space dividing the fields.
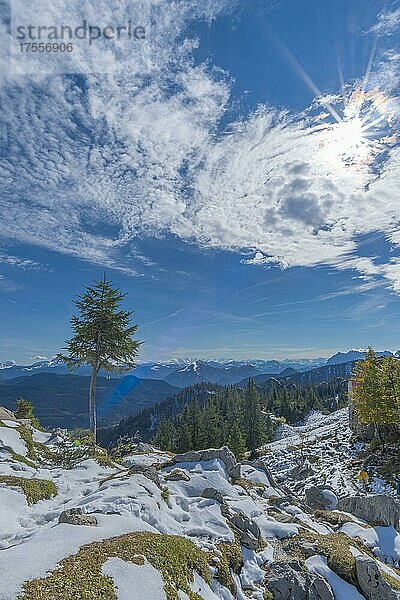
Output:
x=100 y=161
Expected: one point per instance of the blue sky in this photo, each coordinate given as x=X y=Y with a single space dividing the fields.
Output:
x=243 y=191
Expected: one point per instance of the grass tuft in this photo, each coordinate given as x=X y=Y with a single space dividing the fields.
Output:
x=231 y=559
x=34 y=489
x=80 y=576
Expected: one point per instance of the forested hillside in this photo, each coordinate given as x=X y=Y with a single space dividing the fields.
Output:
x=282 y=398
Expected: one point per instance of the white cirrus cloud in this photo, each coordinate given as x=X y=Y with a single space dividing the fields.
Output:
x=98 y=161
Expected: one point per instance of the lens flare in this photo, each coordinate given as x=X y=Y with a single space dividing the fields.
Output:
x=363 y=132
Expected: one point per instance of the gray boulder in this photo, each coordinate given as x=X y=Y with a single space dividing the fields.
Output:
x=213 y=494
x=75 y=516
x=223 y=454
x=315 y=498
x=177 y=475
x=375 y=510
x=249 y=532
x=320 y=589
x=371 y=582
x=147 y=471
x=287 y=580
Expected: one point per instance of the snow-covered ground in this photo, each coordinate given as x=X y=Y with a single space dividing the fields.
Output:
x=318 y=452
x=32 y=542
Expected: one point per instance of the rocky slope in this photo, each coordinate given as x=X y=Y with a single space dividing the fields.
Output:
x=192 y=526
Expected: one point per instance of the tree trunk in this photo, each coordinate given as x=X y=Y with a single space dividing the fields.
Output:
x=92 y=402
x=378 y=435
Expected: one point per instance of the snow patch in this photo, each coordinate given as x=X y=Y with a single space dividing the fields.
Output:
x=135 y=582
x=11 y=438
x=341 y=589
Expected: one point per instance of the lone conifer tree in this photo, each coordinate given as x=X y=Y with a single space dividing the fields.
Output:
x=103 y=337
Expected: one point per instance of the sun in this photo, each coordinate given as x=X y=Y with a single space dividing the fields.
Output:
x=348 y=140
x=361 y=133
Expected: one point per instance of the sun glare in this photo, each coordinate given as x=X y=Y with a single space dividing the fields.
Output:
x=361 y=134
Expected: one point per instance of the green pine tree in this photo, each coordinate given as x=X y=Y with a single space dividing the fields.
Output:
x=236 y=442
x=24 y=410
x=103 y=337
x=253 y=418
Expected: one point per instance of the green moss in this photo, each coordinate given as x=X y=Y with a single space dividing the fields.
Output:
x=392 y=581
x=231 y=559
x=34 y=489
x=80 y=576
x=20 y=458
x=104 y=460
x=268 y=595
x=26 y=435
x=336 y=548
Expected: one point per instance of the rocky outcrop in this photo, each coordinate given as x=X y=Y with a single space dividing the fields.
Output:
x=375 y=510
x=177 y=475
x=371 y=581
x=75 y=516
x=213 y=494
x=287 y=580
x=147 y=471
x=247 y=530
x=223 y=454
x=318 y=500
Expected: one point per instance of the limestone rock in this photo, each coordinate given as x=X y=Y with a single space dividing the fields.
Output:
x=148 y=471
x=288 y=581
x=320 y=589
x=213 y=494
x=248 y=530
x=177 y=475
x=75 y=516
x=316 y=499
x=375 y=510
x=223 y=454
x=371 y=582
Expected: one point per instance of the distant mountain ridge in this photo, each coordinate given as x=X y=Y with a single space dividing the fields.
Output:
x=61 y=400
x=353 y=355
x=224 y=371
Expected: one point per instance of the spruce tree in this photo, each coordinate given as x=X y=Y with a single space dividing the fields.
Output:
x=236 y=442
x=253 y=417
x=24 y=410
x=103 y=337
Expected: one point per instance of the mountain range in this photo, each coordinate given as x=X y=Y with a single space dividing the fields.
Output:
x=227 y=370
x=60 y=398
